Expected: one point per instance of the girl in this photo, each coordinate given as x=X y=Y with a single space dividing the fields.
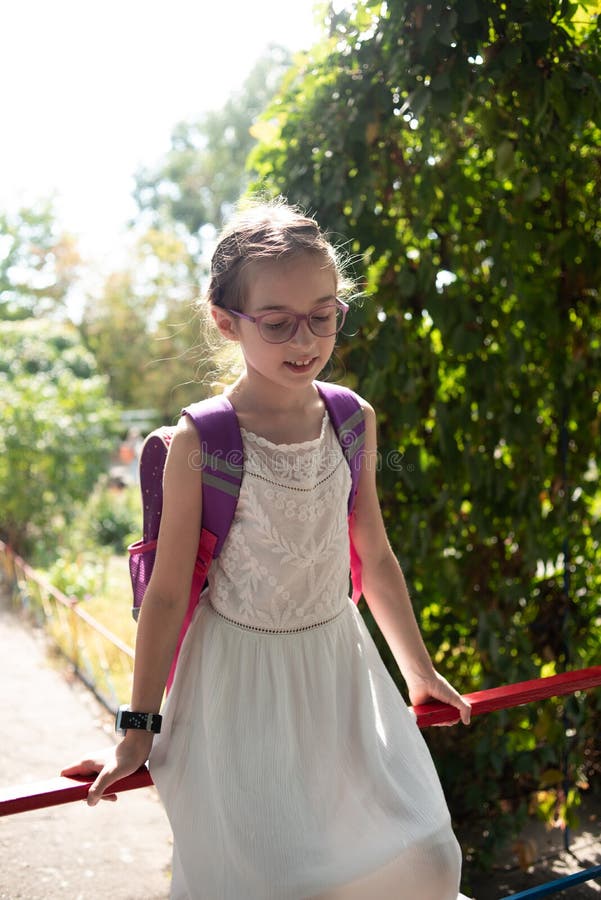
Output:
x=288 y=764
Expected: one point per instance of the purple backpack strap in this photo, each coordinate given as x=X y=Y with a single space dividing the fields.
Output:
x=346 y=415
x=222 y=464
x=221 y=461
x=348 y=420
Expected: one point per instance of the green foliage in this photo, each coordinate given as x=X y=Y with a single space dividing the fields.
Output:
x=57 y=430
x=113 y=516
x=104 y=525
x=458 y=146
x=37 y=263
x=143 y=330
x=115 y=329
x=78 y=577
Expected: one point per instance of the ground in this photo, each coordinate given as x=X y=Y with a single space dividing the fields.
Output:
x=123 y=850
x=538 y=856
x=119 y=850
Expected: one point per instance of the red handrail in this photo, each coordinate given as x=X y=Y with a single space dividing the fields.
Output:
x=510 y=695
x=54 y=791
x=37 y=795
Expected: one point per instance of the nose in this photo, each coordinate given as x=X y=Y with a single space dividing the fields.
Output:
x=304 y=336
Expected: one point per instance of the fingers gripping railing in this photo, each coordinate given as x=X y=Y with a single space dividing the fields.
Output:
x=511 y=695
x=37 y=795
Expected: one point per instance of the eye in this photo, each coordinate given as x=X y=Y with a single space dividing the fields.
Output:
x=276 y=324
x=324 y=315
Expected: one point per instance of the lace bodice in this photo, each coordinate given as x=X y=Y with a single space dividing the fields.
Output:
x=285 y=562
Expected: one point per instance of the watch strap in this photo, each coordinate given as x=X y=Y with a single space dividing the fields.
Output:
x=138 y=721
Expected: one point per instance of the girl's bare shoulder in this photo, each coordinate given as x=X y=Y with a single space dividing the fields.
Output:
x=183 y=459
x=186 y=431
x=366 y=407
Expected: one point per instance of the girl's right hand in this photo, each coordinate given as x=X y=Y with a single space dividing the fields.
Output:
x=112 y=764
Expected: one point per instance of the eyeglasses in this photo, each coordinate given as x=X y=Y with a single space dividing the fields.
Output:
x=279 y=327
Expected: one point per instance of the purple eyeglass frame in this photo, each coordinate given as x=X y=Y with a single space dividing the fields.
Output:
x=300 y=317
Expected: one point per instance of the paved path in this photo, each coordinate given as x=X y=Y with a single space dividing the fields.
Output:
x=119 y=850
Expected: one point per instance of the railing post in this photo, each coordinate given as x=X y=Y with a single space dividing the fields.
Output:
x=73 y=623
x=10 y=569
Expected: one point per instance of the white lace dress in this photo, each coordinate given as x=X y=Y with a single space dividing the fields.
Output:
x=288 y=764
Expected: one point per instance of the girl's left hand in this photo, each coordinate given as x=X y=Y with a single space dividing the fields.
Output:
x=434 y=687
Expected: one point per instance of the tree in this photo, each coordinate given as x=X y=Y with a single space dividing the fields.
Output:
x=458 y=145
x=143 y=329
x=204 y=172
x=57 y=430
x=38 y=263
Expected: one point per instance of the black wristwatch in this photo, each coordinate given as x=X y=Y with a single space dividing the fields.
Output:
x=137 y=720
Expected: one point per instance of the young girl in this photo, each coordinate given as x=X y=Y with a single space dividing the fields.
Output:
x=288 y=763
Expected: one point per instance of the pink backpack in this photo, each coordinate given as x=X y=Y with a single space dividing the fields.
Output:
x=222 y=471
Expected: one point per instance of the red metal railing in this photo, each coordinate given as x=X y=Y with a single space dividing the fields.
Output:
x=36 y=795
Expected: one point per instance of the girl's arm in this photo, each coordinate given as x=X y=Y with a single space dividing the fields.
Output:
x=385 y=590
x=163 y=609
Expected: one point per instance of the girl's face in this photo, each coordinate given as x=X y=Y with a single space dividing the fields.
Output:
x=299 y=285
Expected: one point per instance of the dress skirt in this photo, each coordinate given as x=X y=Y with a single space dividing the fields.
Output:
x=291 y=768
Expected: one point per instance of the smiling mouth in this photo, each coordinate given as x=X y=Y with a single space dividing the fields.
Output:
x=300 y=364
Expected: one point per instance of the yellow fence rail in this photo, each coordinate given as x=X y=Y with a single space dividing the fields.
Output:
x=99 y=657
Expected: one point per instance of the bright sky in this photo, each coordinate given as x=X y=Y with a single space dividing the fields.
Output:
x=91 y=90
